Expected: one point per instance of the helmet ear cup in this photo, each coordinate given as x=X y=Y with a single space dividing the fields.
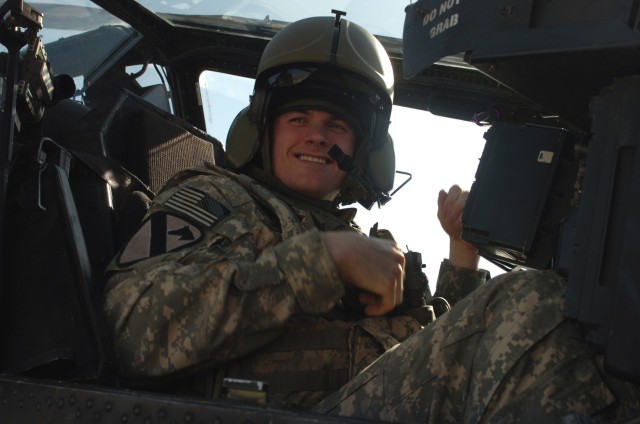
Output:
x=242 y=140
x=382 y=166
x=256 y=105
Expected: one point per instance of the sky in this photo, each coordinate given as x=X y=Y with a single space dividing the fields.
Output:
x=438 y=152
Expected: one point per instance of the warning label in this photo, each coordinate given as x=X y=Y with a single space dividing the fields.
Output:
x=442 y=18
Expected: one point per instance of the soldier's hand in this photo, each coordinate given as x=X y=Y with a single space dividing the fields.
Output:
x=450 y=208
x=376 y=266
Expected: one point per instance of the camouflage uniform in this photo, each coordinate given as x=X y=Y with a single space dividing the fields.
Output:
x=503 y=354
x=223 y=278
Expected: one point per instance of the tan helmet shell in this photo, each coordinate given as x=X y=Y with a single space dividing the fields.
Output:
x=310 y=41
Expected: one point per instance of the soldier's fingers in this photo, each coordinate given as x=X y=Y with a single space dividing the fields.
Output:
x=378 y=306
x=399 y=290
x=452 y=195
x=367 y=298
x=442 y=195
x=388 y=296
x=455 y=202
x=461 y=199
x=460 y=203
x=447 y=200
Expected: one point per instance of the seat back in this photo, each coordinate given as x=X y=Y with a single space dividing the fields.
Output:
x=146 y=140
x=50 y=303
x=72 y=203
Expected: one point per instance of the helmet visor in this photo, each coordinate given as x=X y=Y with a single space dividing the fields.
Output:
x=333 y=90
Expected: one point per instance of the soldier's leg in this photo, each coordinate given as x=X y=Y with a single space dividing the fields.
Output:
x=503 y=352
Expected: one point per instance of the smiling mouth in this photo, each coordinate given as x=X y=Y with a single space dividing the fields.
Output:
x=314 y=159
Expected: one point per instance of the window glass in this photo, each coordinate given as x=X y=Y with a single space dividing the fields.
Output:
x=223 y=96
x=380 y=17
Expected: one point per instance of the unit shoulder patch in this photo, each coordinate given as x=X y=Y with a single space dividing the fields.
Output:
x=160 y=233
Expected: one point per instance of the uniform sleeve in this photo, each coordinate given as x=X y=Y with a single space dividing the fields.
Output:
x=216 y=300
x=454 y=282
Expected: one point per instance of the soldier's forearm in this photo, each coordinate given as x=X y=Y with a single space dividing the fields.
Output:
x=463 y=254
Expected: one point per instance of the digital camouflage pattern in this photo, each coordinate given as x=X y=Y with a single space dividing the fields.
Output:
x=315 y=356
x=503 y=354
x=223 y=278
x=454 y=283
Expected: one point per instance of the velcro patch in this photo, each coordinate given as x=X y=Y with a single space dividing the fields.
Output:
x=160 y=233
x=197 y=205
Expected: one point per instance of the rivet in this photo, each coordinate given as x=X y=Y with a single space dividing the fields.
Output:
x=136 y=410
x=124 y=418
x=72 y=400
x=108 y=406
x=188 y=417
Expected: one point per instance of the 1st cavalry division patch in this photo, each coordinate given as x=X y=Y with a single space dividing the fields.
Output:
x=159 y=234
x=165 y=232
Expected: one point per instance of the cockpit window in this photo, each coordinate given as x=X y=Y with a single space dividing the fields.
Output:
x=85 y=41
x=80 y=37
x=381 y=17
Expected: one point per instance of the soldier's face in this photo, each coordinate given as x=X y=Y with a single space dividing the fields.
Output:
x=300 y=158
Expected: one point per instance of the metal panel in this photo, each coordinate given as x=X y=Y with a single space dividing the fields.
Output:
x=41 y=402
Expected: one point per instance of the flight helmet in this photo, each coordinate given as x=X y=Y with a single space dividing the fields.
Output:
x=337 y=66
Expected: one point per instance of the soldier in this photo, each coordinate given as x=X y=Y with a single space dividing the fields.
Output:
x=248 y=274
x=259 y=273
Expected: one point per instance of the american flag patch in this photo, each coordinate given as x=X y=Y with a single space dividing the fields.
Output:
x=197 y=205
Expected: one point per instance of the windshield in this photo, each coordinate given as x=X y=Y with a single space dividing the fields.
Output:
x=63 y=18
x=380 y=17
